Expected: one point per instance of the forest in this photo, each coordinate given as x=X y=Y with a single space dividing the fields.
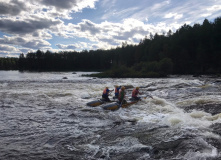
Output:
x=7 y=63
x=189 y=50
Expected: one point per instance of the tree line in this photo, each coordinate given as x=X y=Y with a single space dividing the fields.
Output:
x=8 y=63
x=190 y=50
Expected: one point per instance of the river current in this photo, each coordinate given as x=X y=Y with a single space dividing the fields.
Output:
x=45 y=116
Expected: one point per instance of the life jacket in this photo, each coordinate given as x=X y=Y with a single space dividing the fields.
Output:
x=106 y=91
x=135 y=93
x=117 y=91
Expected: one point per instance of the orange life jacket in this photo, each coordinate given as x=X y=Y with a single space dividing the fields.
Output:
x=106 y=91
x=116 y=90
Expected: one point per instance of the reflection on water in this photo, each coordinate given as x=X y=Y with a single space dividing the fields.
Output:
x=44 y=116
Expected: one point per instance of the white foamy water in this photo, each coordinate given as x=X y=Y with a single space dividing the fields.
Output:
x=47 y=113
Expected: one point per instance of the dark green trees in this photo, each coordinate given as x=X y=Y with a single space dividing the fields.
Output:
x=190 y=50
x=8 y=63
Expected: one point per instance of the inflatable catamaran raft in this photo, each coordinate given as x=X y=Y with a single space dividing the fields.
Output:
x=98 y=102
x=115 y=106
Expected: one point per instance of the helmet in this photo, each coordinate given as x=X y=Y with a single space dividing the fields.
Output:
x=107 y=87
x=116 y=86
x=123 y=88
x=137 y=88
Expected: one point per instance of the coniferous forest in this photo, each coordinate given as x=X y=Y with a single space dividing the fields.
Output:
x=190 y=50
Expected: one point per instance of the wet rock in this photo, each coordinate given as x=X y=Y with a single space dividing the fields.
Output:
x=103 y=156
x=64 y=78
x=151 y=89
x=169 y=148
x=117 y=122
x=214 y=142
x=179 y=148
x=150 y=85
x=73 y=115
x=145 y=149
x=127 y=156
x=131 y=121
x=169 y=144
x=217 y=81
x=209 y=108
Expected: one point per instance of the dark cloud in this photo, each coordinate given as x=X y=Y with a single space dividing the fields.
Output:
x=34 y=44
x=109 y=41
x=60 y=4
x=6 y=48
x=9 y=40
x=13 y=8
x=3 y=54
x=24 y=50
x=131 y=33
x=25 y=27
x=89 y=26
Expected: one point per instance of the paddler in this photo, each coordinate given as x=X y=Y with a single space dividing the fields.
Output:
x=117 y=90
x=135 y=92
x=106 y=93
x=121 y=96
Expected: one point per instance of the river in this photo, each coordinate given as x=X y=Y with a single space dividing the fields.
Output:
x=45 y=116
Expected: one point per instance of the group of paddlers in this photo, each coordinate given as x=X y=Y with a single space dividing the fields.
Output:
x=120 y=94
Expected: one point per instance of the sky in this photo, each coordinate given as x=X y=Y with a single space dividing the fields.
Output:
x=76 y=25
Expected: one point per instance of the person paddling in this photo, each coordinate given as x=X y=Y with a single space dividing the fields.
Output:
x=106 y=93
x=121 y=96
x=117 y=90
x=135 y=92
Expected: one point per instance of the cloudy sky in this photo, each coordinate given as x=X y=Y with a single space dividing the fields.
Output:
x=59 y=25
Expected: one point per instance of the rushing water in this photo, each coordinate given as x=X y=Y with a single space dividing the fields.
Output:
x=44 y=116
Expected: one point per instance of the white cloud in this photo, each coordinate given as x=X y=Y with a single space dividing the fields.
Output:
x=9 y=51
x=206 y=15
x=77 y=46
x=158 y=6
x=30 y=24
x=109 y=34
x=214 y=8
x=173 y=15
x=70 y=46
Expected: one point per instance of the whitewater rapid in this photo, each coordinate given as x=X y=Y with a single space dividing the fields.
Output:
x=44 y=116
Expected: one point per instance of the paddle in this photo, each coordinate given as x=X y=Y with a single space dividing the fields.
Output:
x=110 y=91
x=121 y=102
x=147 y=95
